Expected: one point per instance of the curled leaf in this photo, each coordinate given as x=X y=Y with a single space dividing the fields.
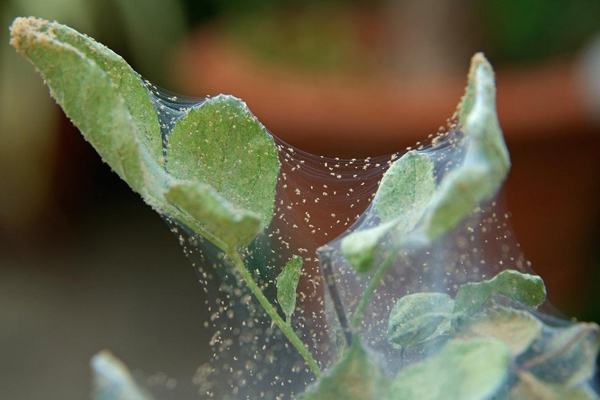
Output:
x=486 y=162
x=90 y=97
x=526 y=289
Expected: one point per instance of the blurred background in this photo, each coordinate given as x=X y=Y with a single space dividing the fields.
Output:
x=85 y=265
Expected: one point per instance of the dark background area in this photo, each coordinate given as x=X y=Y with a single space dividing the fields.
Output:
x=85 y=265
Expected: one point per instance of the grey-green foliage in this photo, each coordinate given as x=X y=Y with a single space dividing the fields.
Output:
x=419 y=317
x=218 y=152
x=547 y=362
x=518 y=329
x=287 y=284
x=113 y=381
x=463 y=370
x=569 y=357
x=420 y=208
x=486 y=162
x=526 y=289
x=353 y=377
x=530 y=388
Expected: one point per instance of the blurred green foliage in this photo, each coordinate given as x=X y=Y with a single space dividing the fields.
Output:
x=518 y=30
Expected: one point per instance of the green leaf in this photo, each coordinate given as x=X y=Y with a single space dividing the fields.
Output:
x=113 y=381
x=353 y=377
x=530 y=388
x=569 y=357
x=89 y=97
x=400 y=202
x=463 y=370
x=128 y=82
x=486 y=162
x=515 y=328
x=405 y=191
x=419 y=317
x=221 y=143
x=205 y=211
x=287 y=283
x=526 y=289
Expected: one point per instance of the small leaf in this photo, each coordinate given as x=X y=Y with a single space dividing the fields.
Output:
x=287 y=283
x=113 y=381
x=419 y=317
x=463 y=370
x=360 y=247
x=400 y=203
x=405 y=191
x=526 y=289
x=353 y=377
x=205 y=211
x=517 y=329
x=569 y=357
x=530 y=388
x=221 y=143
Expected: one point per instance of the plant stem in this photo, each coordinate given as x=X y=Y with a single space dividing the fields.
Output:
x=373 y=283
x=287 y=330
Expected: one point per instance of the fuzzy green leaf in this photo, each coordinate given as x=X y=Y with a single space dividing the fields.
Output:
x=404 y=193
x=222 y=144
x=526 y=289
x=569 y=357
x=353 y=377
x=486 y=161
x=463 y=370
x=205 y=211
x=531 y=388
x=113 y=381
x=91 y=98
x=127 y=81
x=287 y=283
x=517 y=329
x=419 y=317
x=219 y=144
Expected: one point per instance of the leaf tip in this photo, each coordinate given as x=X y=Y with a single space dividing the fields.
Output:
x=22 y=31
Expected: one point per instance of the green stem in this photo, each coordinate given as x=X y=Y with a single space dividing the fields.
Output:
x=373 y=283
x=287 y=330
